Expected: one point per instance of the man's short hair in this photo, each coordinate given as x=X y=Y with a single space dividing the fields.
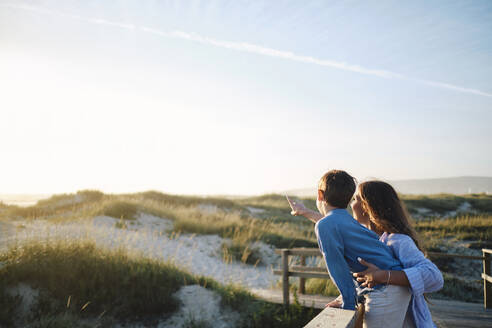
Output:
x=338 y=188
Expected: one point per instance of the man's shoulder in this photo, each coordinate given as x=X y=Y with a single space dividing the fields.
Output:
x=335 y=217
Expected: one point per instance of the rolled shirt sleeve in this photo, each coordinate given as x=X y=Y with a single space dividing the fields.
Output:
x=423 y=275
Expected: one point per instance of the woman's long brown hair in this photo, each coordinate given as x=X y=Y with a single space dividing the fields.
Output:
x=386 y=210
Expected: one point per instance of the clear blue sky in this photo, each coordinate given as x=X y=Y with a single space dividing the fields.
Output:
x=241 y=97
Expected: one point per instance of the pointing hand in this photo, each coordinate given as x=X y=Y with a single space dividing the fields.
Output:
x=297 y=207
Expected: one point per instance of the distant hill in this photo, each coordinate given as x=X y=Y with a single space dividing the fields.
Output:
x=22 y=199
x=458 y=185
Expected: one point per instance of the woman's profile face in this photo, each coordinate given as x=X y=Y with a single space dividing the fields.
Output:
x=359 y=214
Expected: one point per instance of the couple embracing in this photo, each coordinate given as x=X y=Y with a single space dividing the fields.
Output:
x=375 y=260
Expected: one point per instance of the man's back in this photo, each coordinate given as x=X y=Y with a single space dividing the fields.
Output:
x=342 y=240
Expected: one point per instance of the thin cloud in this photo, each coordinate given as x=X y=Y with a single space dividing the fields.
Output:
x=253 y=48
x=454 y=87
x=259 y=50
x=109 y=23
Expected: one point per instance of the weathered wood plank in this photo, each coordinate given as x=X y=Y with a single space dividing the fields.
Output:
x=302 y=281
x=459 y=256
x=308 y=268
x=301 y=251
x=331 y=317
x=301 y=274
x=275 y=296
x=487 y=284
x=454 y=314
x=316 y=252
x=285 y=276
x=488 y=278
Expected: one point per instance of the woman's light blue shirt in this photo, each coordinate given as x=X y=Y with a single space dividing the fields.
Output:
x=423 y=275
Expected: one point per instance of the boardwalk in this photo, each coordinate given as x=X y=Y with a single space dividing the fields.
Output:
x=453 y=314
x=446 y=314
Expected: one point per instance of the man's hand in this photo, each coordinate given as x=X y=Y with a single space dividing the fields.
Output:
x=336 y=303
x=372 y=276
x=297 y=207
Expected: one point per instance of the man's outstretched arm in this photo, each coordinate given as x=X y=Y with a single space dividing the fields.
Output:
x=298 y=209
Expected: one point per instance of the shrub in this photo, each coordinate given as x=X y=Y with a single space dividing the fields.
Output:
x=112 y=282
x=120 y=210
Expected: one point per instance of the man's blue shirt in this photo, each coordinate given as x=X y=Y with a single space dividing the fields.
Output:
x=342 y=239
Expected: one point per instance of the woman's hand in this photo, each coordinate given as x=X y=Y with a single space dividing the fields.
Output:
x=372 y=276
x=297 y=207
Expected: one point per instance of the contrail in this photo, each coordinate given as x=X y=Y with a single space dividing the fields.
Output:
x=256 y=49
x=252 y=48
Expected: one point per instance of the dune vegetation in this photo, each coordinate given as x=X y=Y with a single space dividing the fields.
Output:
x=224 y=217
x=83 y=284
x=441 y=204
x=80 y=285
x=464 y=227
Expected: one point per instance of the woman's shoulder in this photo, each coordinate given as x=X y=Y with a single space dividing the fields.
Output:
x=397 y=239
x=405 y=249
x=397 y=236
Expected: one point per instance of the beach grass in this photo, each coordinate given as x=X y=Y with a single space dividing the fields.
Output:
x=464 y=227
x=111 y=282
x=247 y=220
x=80 y=285
x=440 y=204
x=321 y=287
x=190 y=214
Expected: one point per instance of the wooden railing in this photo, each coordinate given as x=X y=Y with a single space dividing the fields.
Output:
x=487 y=279
x=337 y=318
x=302 y=271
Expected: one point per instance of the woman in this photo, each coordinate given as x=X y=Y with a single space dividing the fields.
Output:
x=376 y=205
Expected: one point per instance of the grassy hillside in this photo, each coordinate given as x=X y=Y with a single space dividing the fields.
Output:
x=226 y=218
x=267 y=219
x=477 y=228
x=441 y=204
x=82 y=286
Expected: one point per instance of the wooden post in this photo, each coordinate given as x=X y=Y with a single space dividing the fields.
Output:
x=302 y=281
x=487 y=285
x=285 y=276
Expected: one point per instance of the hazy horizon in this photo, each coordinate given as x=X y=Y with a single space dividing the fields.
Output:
x=240 y=98
x=483 y=186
